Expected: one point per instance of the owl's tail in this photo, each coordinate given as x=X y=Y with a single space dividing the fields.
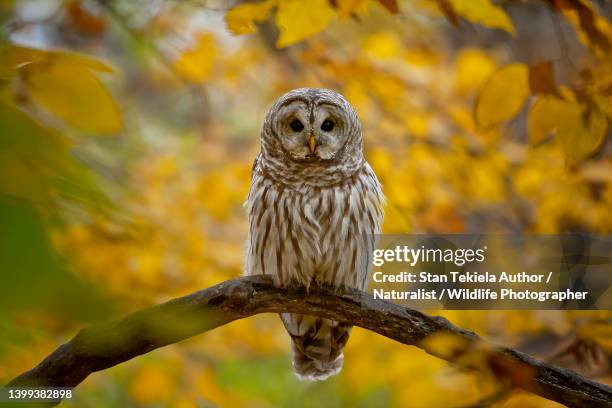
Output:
x=317 y=345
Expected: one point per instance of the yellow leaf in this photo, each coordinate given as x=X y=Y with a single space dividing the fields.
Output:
x=545 y=116
x=484 y=12
x=85 y=60
x=297 y=20
x=70 y=91
x=389 y=88
x=473 y=67
x=461 y=117
x=582 y=133
x=241 y=19
x=383 y=45
x=13 y=57
x=418 y=124
x=197 y=63
x=503 y=95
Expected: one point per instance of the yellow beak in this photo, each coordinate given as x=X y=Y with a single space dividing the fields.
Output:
x=312 y=143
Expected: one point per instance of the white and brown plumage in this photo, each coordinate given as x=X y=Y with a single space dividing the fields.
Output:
x=314 y=208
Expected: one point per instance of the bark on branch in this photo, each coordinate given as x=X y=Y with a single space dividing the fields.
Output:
x=102 y=346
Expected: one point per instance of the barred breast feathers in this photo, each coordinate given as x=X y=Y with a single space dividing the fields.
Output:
x=290 y=224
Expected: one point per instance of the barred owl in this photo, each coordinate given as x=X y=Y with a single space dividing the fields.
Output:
x=314 y=208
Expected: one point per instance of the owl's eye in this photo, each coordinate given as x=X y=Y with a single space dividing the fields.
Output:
x=296 y=125
x=327 y=125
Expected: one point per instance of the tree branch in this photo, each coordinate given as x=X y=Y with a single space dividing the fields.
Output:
x=102 y=346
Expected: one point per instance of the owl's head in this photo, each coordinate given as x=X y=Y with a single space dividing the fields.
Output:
x=312 y=126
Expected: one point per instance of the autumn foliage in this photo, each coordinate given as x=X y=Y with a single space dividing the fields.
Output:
x=128 y=135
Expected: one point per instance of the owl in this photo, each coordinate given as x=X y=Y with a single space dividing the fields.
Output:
x=314 y=209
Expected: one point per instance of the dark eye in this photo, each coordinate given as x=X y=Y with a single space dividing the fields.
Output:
x=327 y=125
x=297 y=126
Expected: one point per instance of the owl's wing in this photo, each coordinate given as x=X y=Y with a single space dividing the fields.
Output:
x=254 y=172
x=255 y=166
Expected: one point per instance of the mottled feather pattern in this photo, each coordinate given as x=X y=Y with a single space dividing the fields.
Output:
x=313 y=223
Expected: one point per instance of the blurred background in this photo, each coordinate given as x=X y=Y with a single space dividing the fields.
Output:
x=128 y=132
